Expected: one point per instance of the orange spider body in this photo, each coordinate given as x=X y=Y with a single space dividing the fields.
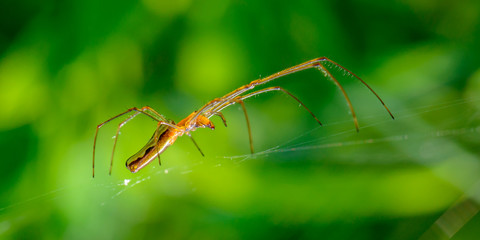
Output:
x=167 y=131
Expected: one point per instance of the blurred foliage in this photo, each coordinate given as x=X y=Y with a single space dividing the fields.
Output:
x=66 y=66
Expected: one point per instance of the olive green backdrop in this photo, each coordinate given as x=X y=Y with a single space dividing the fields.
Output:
x=66 y=66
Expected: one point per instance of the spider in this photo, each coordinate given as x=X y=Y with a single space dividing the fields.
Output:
x=167 y=131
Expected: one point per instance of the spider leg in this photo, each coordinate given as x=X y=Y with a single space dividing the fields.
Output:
x=222 y=117
x=216 y=105
x=209 y=108
x=285 y=91
x=239 y=100
x=324 y=70
x=315 y=63
x=225 y=103
x=364 y=83
x=158 y=152
x=160 y=116
x=196 y=145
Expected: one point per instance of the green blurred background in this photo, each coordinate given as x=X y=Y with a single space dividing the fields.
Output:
x=66 y=66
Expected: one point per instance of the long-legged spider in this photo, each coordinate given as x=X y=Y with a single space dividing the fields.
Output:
x=167 y=131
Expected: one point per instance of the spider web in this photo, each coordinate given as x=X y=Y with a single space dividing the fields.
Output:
x=446 y=226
